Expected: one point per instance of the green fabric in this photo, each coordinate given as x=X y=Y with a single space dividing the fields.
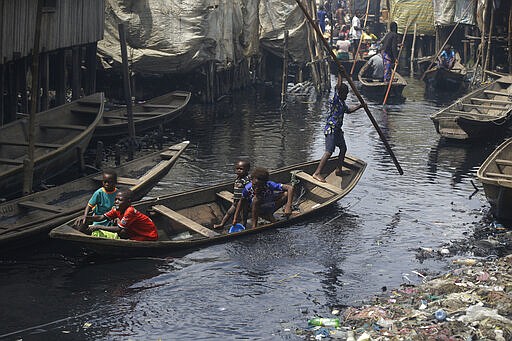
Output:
x=413 y=11
x=105 y=234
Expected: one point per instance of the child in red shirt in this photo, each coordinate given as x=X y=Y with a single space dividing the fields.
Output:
x=131 y=224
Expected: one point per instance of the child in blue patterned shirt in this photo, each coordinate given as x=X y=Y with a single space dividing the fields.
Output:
x=332 y=130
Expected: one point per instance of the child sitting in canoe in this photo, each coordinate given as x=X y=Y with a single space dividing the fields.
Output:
x=446 y=58
x=131 y=224
x=242 y=179
x=264 y=197
x=103 y=199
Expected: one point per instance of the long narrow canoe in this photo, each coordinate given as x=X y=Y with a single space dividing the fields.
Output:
x=34 y=215
x=157 y=111
x=446 y=79
x=376 y=89
x=61 y=136
x=496 y=176
x=185 y=220
x=482 y=113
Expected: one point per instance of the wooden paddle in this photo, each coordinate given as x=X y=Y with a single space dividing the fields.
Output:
x=396 y=65
x=360 y=39
x=342 y=71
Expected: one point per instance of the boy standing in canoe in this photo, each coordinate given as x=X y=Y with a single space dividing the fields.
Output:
x=332 y=130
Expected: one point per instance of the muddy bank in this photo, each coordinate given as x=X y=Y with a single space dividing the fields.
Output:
x=473 y=301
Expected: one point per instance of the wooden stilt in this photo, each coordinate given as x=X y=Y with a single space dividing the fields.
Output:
x=60 y=77
x=45 y=81
x=510 y=39
x=465 y=41
x=127 y=91
x=75 y=76
x=412 y=51
x=28 y=163
x=284 y=82
x=90 y=60
x=12 y=92
x=2 y=91
x=21 y=76
x=99 y=155
x=486 y=65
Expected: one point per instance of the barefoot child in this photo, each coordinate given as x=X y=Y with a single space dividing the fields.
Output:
x=333 y=132
x=260 y=196
x=103 y=199
x=242 y=179
x=131 y=224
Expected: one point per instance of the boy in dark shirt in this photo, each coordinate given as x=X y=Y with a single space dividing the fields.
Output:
x=242 y=179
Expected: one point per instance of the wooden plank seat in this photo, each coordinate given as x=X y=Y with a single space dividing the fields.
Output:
x=469 y=113
x=324 y=185
x=11 y=161
x=489 y=100
x=121 y=180
x=63 y=126
x=160 y=106
x=499 y=93
x=503 y=162
x=483 y=106
x=37 y=144
x=85 y=110
x=40 y=206
x=226 y=195
x=498 y=175
x=184 y=221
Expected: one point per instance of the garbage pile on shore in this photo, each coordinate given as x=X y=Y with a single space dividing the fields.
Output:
x=471 y=302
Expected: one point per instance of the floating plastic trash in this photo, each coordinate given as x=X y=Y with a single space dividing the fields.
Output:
x=236 y=228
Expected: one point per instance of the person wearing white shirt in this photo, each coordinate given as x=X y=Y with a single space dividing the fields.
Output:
x=355 y=32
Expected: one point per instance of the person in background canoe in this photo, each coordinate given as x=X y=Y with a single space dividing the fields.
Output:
x=342 y=48
x=447 y=58
x=389 y=48
x=261 y=197
x=102 y=199
x=375 y=67
x=332 y=130
x=321 y=14
x=355 y=33
x=131 y=224
x=242 y=168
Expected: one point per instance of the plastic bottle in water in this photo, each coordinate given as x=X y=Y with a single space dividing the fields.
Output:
x=324 y=322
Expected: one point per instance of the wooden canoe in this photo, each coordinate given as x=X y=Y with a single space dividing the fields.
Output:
x=482 y=113
x=24 y=219
x=444 y=79
x=185 y=220
x=376 y=89
x=61 y=136
x=157 y=111
x=495 y=174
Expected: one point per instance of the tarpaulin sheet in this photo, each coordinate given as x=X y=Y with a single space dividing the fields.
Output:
x=408 y=12
x=176 y=36
x=450 y=12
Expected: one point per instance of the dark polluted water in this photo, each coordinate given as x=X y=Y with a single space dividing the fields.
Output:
x=265 y=286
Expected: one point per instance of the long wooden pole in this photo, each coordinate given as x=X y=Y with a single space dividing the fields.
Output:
x=488 y=56
x=285 y=70
x=510 y=40
x=344 y=74
x=396 y=65
x=360 y=39
x=411 y=66
x=28 y=163
x=440 y=49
